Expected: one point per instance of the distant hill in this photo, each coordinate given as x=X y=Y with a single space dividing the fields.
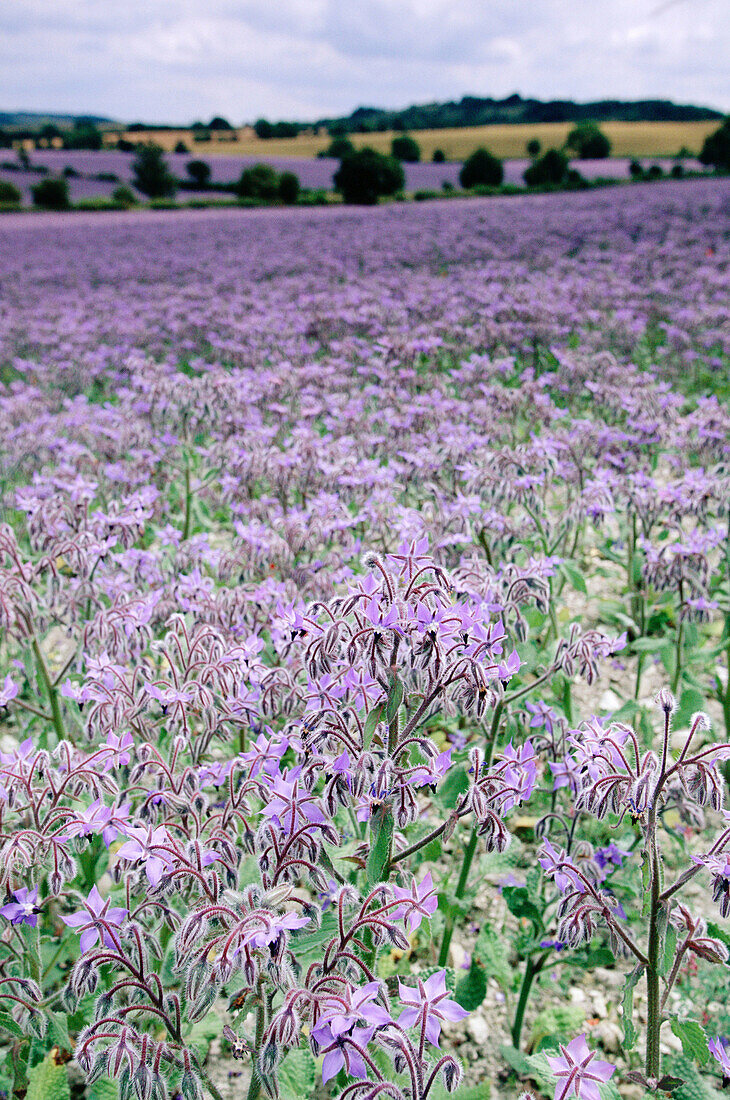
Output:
x=476 y=111
x=34 y=120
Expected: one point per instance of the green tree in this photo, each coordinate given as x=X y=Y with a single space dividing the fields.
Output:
x=716 y=148
x=533 y=148
x=588 y=142
x=263 y=129
x=339 y=147
x=151 y=175
x=260 y=182
x=199 y=172
x=549 y=170
x=405 y=148
x=288 y=188
x=365 y=175
x=9 y=194
x=481 y=168
x=51 y=194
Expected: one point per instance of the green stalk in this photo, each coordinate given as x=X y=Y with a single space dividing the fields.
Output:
x=472 y=845
x=532 y=969
x=458 y=894
x=254 y=1088
x=188 y=503
x=679 y=641
x=51 y=692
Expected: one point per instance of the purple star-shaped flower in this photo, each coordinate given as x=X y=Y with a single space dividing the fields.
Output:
x=430 y=1004
x=24 y=910
x=578 y=1072
x=95 y=921
x=419 y=901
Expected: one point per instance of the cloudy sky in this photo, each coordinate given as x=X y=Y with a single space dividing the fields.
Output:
x=176 y=60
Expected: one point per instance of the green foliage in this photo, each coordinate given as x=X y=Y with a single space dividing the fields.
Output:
x=588 y=142
x=636 y=170
x=260 y=182
x=124 y=196
x=627 y=1004
x=48 y=1080
x=9 y=193
x=181 y=147
x=493 y=952
x=716 y=148
x=288 y=188
x=693 y=1040
x=551 y=169
x=557 y=1024
x=472 y=988
x=405 y=148
x=151 y=174
x=339 y=147
x=263 y=129
x=364 y=176
x=481 y=167
x=439 y=156
x=102 y=1089
x=694 y=1086
x=83 y=137
x=199 y=172
x=533 y=148
x=297 y=1074
x=51 y=194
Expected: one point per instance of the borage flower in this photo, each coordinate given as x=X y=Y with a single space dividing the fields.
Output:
x=578 y=1072
x=428 y=1004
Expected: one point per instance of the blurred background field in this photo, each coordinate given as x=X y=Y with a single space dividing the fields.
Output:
x=628 y=139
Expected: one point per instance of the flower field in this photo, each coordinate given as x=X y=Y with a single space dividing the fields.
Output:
x=364 y=644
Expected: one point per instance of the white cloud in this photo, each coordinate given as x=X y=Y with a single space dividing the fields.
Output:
x=173 y=60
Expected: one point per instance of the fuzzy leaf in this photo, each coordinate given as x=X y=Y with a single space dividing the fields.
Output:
x=627 y=1005
x=472 y=988
x=693 y=1039
x=48 y=1080
x=297 y=1074
x=381 y=832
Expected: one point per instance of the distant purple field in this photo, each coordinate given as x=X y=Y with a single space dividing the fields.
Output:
x=312 y=173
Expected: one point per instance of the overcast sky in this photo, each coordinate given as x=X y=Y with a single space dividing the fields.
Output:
x=178 y=60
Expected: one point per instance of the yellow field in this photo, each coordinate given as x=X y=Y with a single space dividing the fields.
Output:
x=628 y=139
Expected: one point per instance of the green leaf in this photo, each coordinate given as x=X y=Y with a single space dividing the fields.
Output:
x=667 y=957
x=297 y=1074
x=57 y=1032
x=371 y=723
x=645 y=884
x=694 y=1085
x=7 y=1023
x=690 y=702
x=692 y=1038
x=381 y=837
x=492 y=951
x=559 y=1023
x=572 y=573
x=648 y=645
x=627 y=1005
x=48 y=1081
x=103 y=1089
x=520 y=904
x=455 y=783
x=308 y=946
x=395 y=698
x=472 y=988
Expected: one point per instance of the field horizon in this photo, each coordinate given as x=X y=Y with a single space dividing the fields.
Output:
x=507 y=141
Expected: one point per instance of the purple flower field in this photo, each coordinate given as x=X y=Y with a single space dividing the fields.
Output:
x=364 y=645
x=311 y=173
